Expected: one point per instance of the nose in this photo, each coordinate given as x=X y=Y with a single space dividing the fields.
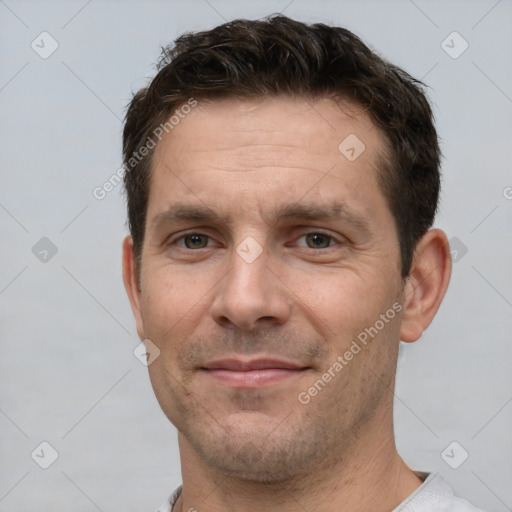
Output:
x=250 y=295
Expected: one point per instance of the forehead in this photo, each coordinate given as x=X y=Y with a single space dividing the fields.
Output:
x=301 y=125
x=264 y=147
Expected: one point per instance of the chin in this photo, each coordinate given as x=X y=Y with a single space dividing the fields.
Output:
x=266 y=451
x=253 y=463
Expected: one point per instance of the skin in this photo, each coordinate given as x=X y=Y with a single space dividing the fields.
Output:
x=305 y=298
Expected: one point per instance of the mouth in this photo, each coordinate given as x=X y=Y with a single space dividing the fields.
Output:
x=252 y=373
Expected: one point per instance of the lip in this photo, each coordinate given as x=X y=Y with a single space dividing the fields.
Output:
x=252 y=373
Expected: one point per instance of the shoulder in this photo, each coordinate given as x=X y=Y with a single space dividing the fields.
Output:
x=169 y=504
x=459 y=505
x=435 y=495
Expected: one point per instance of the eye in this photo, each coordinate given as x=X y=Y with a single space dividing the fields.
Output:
x=317 y=240
x=313 y=240
x=192 y=241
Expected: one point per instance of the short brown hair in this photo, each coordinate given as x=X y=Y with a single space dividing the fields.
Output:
x=275 y=56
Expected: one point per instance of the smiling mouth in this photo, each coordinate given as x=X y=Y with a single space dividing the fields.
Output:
x=252 y=373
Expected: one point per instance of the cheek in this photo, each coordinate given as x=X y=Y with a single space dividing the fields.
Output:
x=171 y=306
x=341 y=298
x=348 y=309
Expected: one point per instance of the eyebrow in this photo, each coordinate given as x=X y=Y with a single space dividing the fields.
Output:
x=333 y=211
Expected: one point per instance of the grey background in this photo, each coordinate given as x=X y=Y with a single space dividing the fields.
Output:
x=69 y=376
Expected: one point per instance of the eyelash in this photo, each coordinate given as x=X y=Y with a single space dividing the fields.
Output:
x=333 y=240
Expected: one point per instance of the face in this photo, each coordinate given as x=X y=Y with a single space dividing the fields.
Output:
x=270 y=282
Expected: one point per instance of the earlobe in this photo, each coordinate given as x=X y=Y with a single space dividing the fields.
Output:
x=426 y=284
x=131 y=283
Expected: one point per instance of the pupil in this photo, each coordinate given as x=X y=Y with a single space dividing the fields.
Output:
x=195 y=240
x=319 y=240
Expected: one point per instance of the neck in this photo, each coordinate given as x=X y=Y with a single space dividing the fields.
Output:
x=368 y=475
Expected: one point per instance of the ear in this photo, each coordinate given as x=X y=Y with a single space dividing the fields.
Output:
x=131 y=283
x=426 y=284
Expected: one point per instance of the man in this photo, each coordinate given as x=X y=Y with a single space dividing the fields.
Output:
x=282 y=180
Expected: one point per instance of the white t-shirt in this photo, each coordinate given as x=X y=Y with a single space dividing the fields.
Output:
x=434 y=495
